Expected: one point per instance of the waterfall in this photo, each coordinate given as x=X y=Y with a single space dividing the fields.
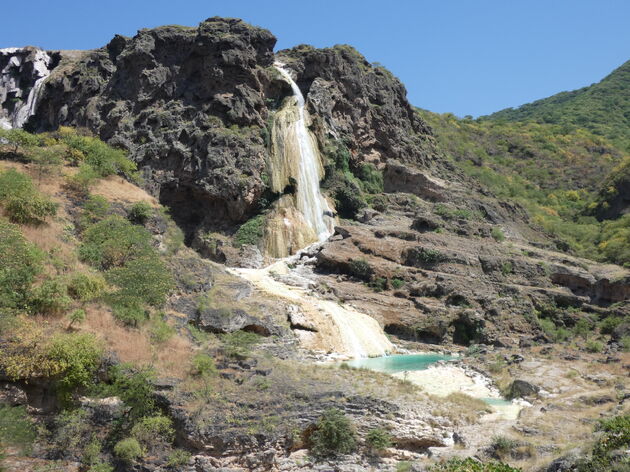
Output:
x=15 y=79
x=296 y=157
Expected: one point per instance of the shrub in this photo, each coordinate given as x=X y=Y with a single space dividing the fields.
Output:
x=104 y=159
x=130 y=311
x=594 y=346
x=397 y=283
x=23 y=203
x=71 y=430
x=348 y=200
x=76 y=317
x=471 y=465
x=50 y=298
x=95 y=208
x=114 y=241
x=239 y=343
x=371 y=178
x=101 y=467
x=83 y=180
x=557 y=334
x=378 y=439
x=76 y=357
x=250 y=232
x=86 y=287
x=335 y=434
x=379 y=284
x=20 y=262
x=161 y=331
x=204 y=365
x=17 y=138
x=178 y=458
x=361 y=268
x=608 y=325
x=153 y=429
x=135 y=388
x=16 y=428
x=506 y=268
x=146 y=278
x=503 y=445
x=128 y=450
x=582 y=328
x=140 y=212
x=497 y=234
x=614 y=437
x=625 y=343
x=421 y=256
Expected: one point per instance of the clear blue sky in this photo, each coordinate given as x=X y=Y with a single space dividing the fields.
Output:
x=463 y=56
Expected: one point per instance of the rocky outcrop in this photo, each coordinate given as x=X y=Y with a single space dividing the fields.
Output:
x=361 y=103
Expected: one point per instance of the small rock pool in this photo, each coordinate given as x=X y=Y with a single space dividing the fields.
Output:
x=399 y=362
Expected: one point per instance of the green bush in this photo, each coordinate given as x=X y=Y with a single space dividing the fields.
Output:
x=557 y=334
x=583 y=328
x=178 y=458
x=371 y=178
x=497 y=234
x=378 y=439
x=608 y=325
x=334 y=434
x=146 y=278
x=86 y=287
x=204 y=365
x=397 y=283
x=101 y=467
x=94 y=209
x=134 y=387
x=16 y=428
x=594 y=346
x=50 y=298
x=379 y=284
x=128 y=450
x=76 y=317
x=608 y=451
x=239 y=343
x=17 y=138
x=140 y=212
x=348 y=200
x=83 y=180
x=361 y=268
x=76 y=357
x=471 y=465
x=104 y=159
x=113 y=242
x=250 y=232
x=152 y=429
x=20 y=262
x=22 y=202
x=161 y=331
x=130 y=311
x=507 y=268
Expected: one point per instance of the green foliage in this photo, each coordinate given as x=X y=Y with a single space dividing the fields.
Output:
x=71 y=429
x=360 y=268
x=497 y=234
x=608 y=452
x=20 y=262
x=83 y=180
x=506 y=268
x=100 y=467
x=556 y=333
x=450 y=213
x=608 y=324
x=625 y=343
x=130 y=311
x=76 y=356
x=104 y=159
x=204 y=365
x=378 y=439
x=161 y=331
x=17 y=138
x=594 y=346
x=582 y=328
x=378 y=284
x=146 y=278
x=128 y=450
x=471 y=465
x=95 y=208
x=76 y=317
x=371 y=178
x=50 y=298
x=140 y=212
x=151 y=429
x=335 y=434
x=22 y=202
x=16 y=428
x=178 y=458
x=134 y=387
x=503 y=445
x=86 y=287
x=427 y=256
x=114 y=241
x=603 y=108
x=239 y=343
x=250 y=232
x=397 y=283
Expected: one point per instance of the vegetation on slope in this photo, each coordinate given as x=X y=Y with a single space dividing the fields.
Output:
x=602 y=108
x=553 y=171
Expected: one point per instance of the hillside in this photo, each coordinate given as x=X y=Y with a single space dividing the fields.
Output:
x=602 y=108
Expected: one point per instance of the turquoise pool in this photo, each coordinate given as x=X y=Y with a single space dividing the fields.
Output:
x=399 y=362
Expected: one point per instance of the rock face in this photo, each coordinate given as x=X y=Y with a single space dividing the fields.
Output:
x=194 y=107
x=22 y=74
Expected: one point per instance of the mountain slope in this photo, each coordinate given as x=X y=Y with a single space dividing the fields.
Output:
x=603 y=108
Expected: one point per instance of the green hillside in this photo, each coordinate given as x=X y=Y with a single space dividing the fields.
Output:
x=603 y=108
x=554 y=171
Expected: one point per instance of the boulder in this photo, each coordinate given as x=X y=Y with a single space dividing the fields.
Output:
x=521 y=389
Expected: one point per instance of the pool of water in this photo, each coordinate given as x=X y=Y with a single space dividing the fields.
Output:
x=497 y=401
x=399 y=362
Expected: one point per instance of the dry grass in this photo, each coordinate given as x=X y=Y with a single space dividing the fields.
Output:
x=460 y=408
x=117 y=189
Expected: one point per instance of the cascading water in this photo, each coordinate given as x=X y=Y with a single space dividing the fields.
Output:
x=304 y=217
x=16 y=78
